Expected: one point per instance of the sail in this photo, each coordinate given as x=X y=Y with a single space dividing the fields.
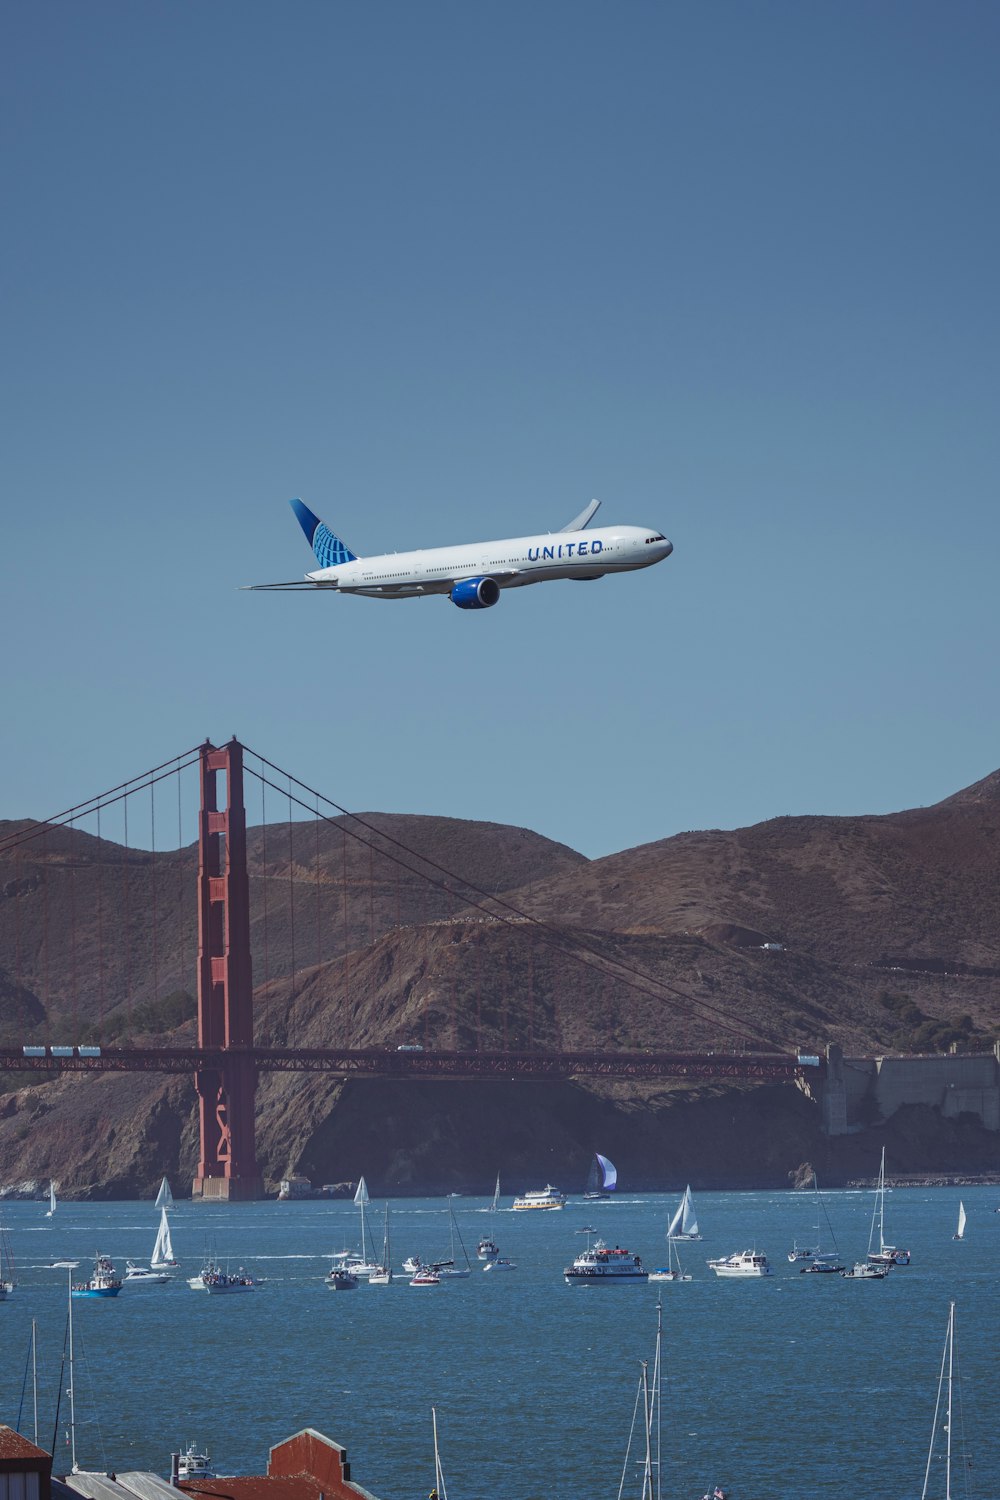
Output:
x=496 y=1196
x=164 y=1198
x=163 y=1250
x=685 y=1220
x=609 y=1173
x=52 y=1201
x=361 y=1196
x=960 y=1231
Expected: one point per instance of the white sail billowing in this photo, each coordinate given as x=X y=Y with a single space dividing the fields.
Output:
x=163 y=1250
x=609 y=1172
x=361 y=1197
x=960 y=1231
x=164 y=1198
x=684 y=1224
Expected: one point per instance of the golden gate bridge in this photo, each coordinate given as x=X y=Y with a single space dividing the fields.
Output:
x=227 y=1059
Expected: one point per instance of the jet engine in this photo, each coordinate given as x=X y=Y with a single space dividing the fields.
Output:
x=475 y=593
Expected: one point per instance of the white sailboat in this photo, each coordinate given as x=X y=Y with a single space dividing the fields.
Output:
x=941 y=1444
x=52 y=1201
x=164 y=1198
x=684 y=1224
x=447 y=1269
x=960 y=1231
x=672 y=1270
x=7 y=1279
x=488 y=1249
x=361 y=1263
x=162 y=1258
x=382 y=1275
x=602 y=1179
x=886 y=1255
x=819 y=1261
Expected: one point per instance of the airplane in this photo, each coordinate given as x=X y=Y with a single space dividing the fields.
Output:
x=473 y=575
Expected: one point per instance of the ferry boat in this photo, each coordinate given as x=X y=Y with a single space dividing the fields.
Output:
x=548 y=1197
x=742 y=1263
x=600 y=1263
x=103 y=1283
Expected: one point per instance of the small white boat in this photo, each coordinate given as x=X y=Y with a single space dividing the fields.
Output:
x=885 y=1255
x=500 y=1263
x=548 y=1197
x=425 y=1277
x=413 y=1264
x=960 y=1231
x=144 y=1275
x=684 y=1224
x=742 y=1263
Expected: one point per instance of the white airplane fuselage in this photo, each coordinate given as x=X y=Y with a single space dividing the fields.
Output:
x=510 y=564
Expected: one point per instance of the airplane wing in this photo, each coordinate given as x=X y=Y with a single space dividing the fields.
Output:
x=583 y=520
x=301 y=583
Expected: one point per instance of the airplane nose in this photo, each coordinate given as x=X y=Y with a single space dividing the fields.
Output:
x=668 y=547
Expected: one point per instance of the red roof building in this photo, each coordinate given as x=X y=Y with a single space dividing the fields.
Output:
x=307 y=1466
x=25 y=1471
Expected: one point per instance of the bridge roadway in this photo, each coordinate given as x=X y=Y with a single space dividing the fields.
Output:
x=419 y=1064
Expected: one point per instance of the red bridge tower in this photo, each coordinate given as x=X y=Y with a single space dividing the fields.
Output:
x=227 y=1168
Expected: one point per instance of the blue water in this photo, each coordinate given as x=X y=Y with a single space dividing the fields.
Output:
x=798 y=1385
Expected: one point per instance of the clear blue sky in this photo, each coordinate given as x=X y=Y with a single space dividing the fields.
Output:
x=447 y=270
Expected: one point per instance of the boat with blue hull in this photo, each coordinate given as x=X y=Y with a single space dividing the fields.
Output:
x=105 y=1282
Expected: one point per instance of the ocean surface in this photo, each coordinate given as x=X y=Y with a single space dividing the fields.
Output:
x=791 y=1386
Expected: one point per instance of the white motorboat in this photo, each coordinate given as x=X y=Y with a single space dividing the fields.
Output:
x=742 y=1263
x=684 y=1224
x=144 y=1275
x=487 y=1249
x=500 y=1263
x=412 y=1265
x=547 y=1197
x=194 y=1465
x=425 y=1277
x=602 y=1264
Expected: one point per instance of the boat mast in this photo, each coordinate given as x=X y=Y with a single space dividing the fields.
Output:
x=881 y=1206
x=439 y=1483
x=34 y=1373
x=947 y=1364
x=72 y=1397
x=647 y=1473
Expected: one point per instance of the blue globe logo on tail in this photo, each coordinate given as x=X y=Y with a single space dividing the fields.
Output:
x=329 y=550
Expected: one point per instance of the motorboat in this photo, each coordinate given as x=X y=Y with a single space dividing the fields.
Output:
x=103 y=1283
x=194 y=1465
x=342 y=1281
x=144 y=1275
x=547 y=1197
x=823 y=1265
x=487 y=1249
x=866 y=1270
x=221 y=1283
x=604 y=1264
x=500 y=1263
x=741 y=1263
x=413 y=1264
x=425 y=1277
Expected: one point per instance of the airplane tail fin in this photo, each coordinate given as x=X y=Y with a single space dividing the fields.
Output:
x=328 y=549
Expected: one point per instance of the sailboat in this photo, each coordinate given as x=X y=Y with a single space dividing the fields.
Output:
x=440 y=1490
x=821 y=1261
x=960 y=1231
x=488 y=1249
x=886 y=1255
x=602 y=1179
x=164 y=1198
x=942 y=1425
x=447 y=1269
x=52 y=1200
x=358 y=1263
x=382 y=1275
x=684 y=1224
x=7 y=1281
x=162 y=1258
x=672 y=1270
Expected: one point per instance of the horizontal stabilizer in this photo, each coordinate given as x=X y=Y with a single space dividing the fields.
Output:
x=329 y=550
x=583 y=520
